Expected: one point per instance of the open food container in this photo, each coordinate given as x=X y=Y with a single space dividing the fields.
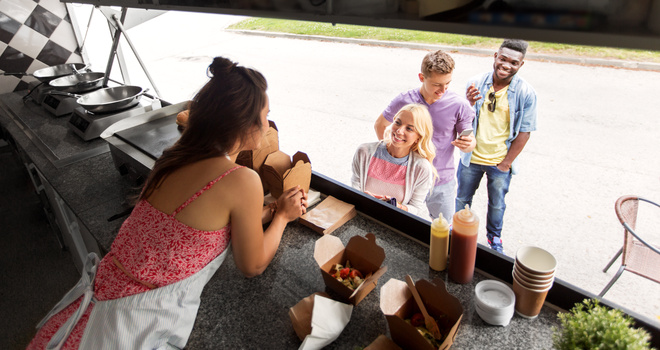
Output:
x=280 y=172
x=364 y=255
x=301 y=315
x=382 y=343
x=319 y=320
x=254 y=159
x=398 y=305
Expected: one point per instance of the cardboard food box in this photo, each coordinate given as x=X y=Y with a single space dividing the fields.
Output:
x=382 y=343
x=364 y=255
x=301 y=315
x=279 y=172
x=328 y=215
x=254 y=159
x=398 y=304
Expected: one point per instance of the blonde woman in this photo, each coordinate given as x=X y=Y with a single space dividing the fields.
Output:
x=399 y=166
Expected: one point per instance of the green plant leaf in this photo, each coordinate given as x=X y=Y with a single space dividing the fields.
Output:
x=590 y=325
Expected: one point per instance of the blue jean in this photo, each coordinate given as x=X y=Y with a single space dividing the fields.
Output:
x=441 y=200
x=498 y=186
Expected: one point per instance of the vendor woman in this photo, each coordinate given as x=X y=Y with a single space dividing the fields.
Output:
x=399 y=166
x=196 y=202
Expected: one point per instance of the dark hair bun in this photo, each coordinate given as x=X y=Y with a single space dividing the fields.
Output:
x=220 y=66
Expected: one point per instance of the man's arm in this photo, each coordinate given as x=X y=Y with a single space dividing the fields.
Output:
x=380 y=125
x=517 y=146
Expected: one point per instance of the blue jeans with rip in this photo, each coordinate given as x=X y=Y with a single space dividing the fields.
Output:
x=498 y=186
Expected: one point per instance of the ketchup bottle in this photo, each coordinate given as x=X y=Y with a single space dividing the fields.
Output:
x=439 y=243
x=463 y=247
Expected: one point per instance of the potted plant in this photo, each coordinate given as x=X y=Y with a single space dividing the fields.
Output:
x=590 y=325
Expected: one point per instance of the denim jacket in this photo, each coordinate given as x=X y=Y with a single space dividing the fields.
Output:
x=522 y=109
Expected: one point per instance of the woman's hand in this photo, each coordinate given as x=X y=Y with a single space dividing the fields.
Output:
x=291 y=204
x=268 y=212
x=378 y=196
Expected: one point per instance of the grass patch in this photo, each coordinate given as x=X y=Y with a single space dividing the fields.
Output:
x=417 y=36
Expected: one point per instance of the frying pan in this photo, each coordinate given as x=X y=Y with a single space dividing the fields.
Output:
x=47 y=74
x=110 y=99
x=78 y=82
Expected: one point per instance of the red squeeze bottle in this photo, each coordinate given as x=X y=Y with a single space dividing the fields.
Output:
x=463 y=245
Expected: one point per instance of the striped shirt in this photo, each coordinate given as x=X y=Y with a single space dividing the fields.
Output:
x=387 y=174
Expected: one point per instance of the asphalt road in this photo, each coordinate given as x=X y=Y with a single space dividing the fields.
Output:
x=597 y=136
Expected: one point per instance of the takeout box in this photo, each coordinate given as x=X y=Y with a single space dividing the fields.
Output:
x=280 y=172
x=382 y=343
x=254 y=159
x=328 y=216
x=398 y=304
x=301 y=315
x=364 y=255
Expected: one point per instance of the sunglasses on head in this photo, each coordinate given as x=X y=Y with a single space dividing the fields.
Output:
x=492 y=102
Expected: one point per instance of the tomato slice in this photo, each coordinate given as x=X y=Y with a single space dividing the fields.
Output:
x=356 y=273
x=417 y=320
x=343 y=273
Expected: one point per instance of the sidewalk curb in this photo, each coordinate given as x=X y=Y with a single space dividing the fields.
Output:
x=464 y=50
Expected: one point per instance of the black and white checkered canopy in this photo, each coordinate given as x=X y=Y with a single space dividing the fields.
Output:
x=33 y=35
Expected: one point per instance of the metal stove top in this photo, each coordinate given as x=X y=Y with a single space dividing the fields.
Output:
x=90 y=125
x=154 y=137
x=136 y=143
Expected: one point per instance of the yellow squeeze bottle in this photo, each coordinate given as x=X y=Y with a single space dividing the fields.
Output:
x=439 y=243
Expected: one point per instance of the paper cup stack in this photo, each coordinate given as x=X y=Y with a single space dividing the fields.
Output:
x=533 y=275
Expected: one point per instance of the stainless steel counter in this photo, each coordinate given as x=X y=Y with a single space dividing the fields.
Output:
x=52 y=135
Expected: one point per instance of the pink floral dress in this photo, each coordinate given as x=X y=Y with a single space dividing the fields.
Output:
x=155 y=248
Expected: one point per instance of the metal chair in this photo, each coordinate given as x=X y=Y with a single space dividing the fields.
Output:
x=639 y=256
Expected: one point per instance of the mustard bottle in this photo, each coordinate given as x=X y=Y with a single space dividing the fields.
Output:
x=439 y=243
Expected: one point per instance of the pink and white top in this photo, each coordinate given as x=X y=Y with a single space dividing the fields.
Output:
x=387 y=174
x=154 y=247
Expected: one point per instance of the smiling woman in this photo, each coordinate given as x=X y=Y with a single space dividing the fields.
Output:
x=399 y=168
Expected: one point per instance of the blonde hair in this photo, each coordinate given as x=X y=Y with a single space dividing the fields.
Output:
x=423 y=127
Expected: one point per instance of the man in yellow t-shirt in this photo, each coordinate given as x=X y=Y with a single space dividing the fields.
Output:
x=505 y=107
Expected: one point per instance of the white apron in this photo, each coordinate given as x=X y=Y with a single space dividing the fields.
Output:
x=160 y=318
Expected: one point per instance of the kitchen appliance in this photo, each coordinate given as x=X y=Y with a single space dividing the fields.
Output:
x=47 y=96
x=47 y=74
x=58 y=105
x=109 y=99
x=135 y=143
x=59 y=100
x=81 y=82
x=90 y=125
x=37 y=91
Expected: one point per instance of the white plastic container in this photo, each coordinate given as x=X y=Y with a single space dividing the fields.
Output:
x=494 y=302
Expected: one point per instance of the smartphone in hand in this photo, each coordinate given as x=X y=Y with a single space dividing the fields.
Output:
x=465 y=132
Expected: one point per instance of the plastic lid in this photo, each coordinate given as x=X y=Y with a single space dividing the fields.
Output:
x=440 y=223
x=466 y=215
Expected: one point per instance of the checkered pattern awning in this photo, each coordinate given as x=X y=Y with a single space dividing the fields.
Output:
x=33 y=35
